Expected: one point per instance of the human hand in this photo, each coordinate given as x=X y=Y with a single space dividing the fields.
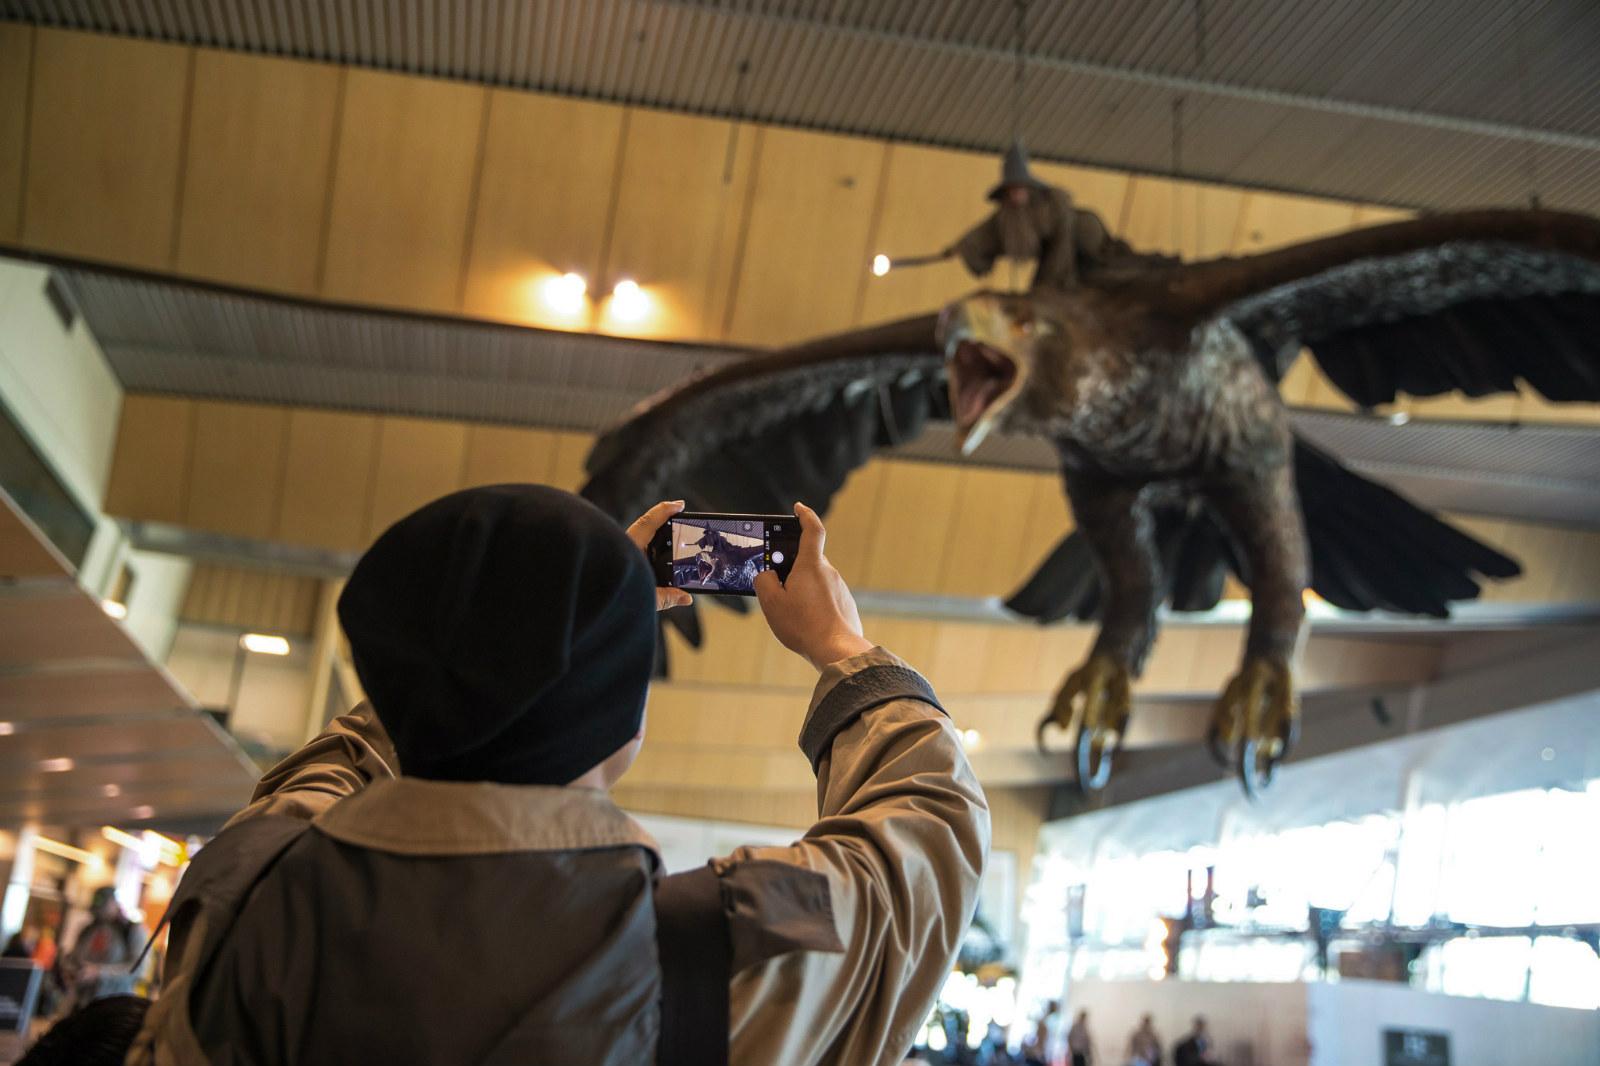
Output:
x=642 y=532
x=812 y=614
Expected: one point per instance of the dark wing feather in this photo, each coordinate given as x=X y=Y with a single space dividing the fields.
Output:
x=1469 y=302
x=759 y=434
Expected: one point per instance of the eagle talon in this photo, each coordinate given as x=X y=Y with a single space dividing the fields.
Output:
x=1097 y=697
x=1258 y=716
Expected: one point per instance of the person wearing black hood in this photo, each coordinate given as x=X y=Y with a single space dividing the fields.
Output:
x=442 y=878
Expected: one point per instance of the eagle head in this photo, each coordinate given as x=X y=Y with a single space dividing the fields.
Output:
x=991 y=345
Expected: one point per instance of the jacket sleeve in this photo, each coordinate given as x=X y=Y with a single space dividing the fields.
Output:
x=902 y=839
x=343 y=759
x=979 y=247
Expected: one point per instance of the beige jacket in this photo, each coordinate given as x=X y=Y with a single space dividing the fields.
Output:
x=902 y=838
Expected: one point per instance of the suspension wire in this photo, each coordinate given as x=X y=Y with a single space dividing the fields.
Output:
x=1018 y=77
x=739 y=87
x=1526 y=106
x=1177 y=168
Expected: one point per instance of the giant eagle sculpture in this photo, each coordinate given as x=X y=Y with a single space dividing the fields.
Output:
x=1157 y=385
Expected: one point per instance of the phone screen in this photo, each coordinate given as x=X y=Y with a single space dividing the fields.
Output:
x=724 y=553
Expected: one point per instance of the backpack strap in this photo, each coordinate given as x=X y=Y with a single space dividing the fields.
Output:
x=696 y=958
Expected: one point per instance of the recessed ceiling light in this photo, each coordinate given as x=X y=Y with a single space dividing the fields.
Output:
x=116 y=610
x=7 y=728
x=56 y=766
x=264 y=644
x=142 y=812
x=110 y=791
x=880 y=265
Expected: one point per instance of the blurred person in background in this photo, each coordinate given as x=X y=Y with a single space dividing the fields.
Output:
x=1079 y=1045
x=1144 y=1046
x=1194 y=1049
x=101 y=962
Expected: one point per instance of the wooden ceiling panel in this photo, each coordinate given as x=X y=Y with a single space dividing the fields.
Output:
x=25 y=553
x=105 y=135
x=16 y=59
x=105 y=738
x=984 y=554
x=52 y=694
x=113 y=776
x=255 y=193
x=46 y=627
x=403 y=182
x=544 y=197
x=925 y=192
x=237 y=467
x=203 y=798
x=681 y=198
x=803 y=257
x=327 y=476
x=915 y=519
x=499 y=455
x=150 y=471
x=419 y=460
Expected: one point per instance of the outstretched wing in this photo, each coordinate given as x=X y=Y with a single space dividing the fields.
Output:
x=1471 y=301
x=759 y=434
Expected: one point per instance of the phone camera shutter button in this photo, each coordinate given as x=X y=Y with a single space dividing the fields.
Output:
x=777 y=557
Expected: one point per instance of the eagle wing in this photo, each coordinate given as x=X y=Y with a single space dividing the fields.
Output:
x=1474 y=302
x=759 y=434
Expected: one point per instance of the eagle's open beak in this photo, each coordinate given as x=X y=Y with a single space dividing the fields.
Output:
x=985 y=375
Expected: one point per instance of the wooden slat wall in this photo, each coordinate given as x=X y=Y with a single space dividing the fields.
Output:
x=255 y=600
x=334 y=480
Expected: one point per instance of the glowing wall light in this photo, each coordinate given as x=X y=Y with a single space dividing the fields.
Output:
x=564 y=295
x=629 y=303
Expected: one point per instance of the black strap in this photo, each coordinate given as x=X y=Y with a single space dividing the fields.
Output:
x=696 y=955
x=856 y=695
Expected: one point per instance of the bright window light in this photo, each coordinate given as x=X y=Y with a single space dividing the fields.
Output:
x=55 y=766
x=564 y=295
x=264 y=644
x=629 y=303
x=116 y=610
x=880 y=265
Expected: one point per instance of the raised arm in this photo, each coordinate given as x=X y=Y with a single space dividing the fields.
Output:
x=346 y=757
x=902 y=838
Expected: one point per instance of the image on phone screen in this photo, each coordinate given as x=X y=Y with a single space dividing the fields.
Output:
x=718 y=554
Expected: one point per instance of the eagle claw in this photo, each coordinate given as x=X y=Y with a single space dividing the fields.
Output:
x=1258 y=718
x=1097 y=697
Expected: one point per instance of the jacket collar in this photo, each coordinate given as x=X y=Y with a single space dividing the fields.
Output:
x=412 y=816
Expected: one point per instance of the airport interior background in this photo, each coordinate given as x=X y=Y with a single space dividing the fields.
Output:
x=273 y=274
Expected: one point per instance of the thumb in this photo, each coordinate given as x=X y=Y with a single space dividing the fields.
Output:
x=813 y=535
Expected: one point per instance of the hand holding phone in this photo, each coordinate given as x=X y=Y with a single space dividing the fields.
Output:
x=721 y=554
x=812 y=612
x=642 y=532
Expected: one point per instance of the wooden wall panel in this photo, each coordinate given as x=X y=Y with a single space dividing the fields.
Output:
x=804 y=253
x=914 y=523
x=852 y=519
x=1183 y=218
x=256 y=187
x=1272 y=220
x=544 y=195
x=250 y=599
x=680 y=209
x=328 y=475
x=984 y=556
x=16 y=70
x=408 y=149
x=237 y=468
x=928 y=194
x=419 y=460
x=566 y=472
x=104 y=143
x=150 y=470
x=498 y=455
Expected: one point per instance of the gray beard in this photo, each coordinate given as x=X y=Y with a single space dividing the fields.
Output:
x=1019 y=236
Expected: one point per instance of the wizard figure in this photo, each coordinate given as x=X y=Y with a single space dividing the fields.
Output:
x=1033 y=220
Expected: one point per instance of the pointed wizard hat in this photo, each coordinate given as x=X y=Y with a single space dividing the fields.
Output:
x=1014 y=171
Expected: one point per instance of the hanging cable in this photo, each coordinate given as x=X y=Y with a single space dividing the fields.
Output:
x=1019 y=75
x=1177 y=169
x=1525 y=104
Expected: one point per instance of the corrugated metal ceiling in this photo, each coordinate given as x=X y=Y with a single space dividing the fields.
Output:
x=1420 y=103
x=179 y=338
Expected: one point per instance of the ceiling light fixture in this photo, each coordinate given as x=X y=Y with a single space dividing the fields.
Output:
x=55 y=766
x=111 y=791
x=880 y=265
x=67 y=851
x=629 y=303
x=142 y=812
x=7 y=728
x=264 y=644
x=116 y=610
x=565 y=294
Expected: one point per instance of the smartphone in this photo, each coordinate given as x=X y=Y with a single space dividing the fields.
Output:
x=722 y=553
